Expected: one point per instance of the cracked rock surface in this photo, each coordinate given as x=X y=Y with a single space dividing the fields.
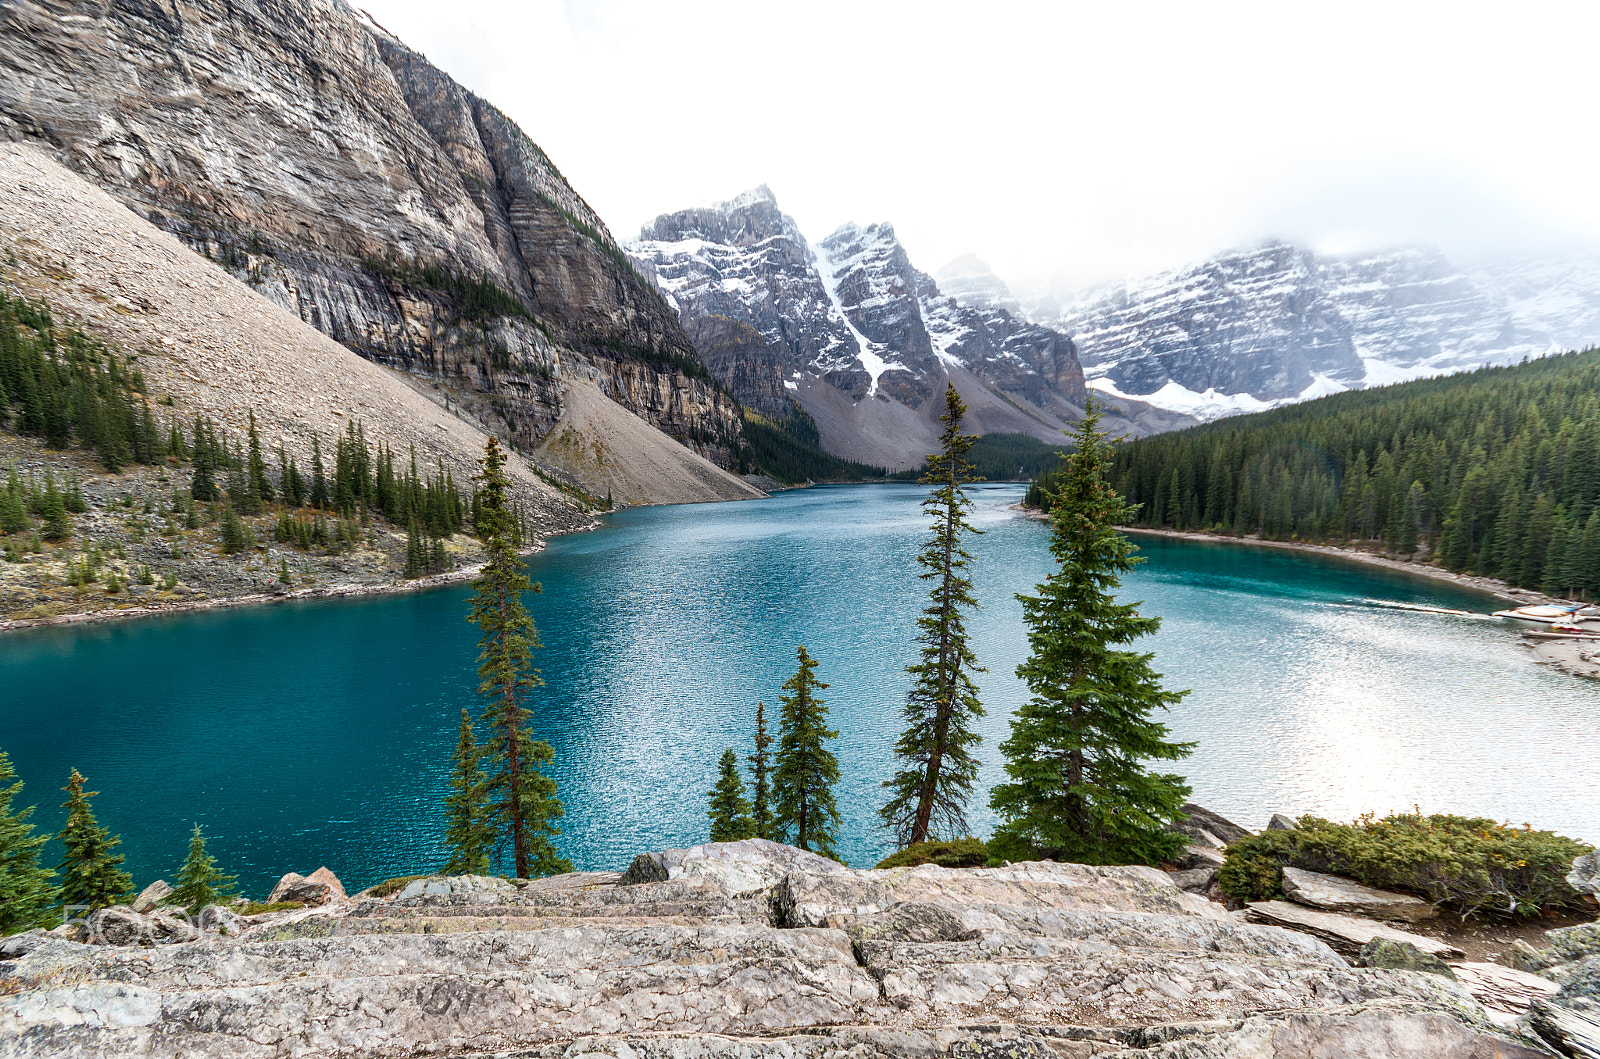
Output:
x=1047 y=960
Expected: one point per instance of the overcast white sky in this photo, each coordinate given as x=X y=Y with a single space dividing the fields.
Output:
x=1075 y=141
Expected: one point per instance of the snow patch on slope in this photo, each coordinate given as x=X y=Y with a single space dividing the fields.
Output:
x=868 y=354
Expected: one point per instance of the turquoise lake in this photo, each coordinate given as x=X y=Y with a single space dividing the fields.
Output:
x=320 y=732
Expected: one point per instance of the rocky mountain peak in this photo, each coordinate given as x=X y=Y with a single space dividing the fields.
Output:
x=859 y=338
x=347 y=179
x=1276 y=323
x=969 y=280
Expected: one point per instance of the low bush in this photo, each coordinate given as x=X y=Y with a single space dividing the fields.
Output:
x=1469 y=865
x=390 y=887
x=958 y=853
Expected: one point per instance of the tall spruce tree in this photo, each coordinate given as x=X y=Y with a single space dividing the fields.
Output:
x=1078 y=788
x=760 y=768
x=27 y=891
x=806 y=770
x=200 y=883
x=90 y=872
x=937 y=764
x=729 y=810
x=467 y=831
x=522 y=800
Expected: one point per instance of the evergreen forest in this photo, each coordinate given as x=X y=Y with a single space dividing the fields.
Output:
x=1493 y=472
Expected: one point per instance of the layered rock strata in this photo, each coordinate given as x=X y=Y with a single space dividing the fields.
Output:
x=346 y=178
x=1024 y=960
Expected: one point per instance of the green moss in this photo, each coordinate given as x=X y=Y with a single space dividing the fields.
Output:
x=960 y=853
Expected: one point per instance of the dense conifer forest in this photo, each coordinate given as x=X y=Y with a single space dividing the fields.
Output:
x=66 y=389
x=1493 y=472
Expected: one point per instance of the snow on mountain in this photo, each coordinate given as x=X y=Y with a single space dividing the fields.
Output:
x=1275 y=324
x=970 y=281
x=857 y=336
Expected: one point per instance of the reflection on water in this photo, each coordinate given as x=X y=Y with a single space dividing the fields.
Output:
x=318 y=733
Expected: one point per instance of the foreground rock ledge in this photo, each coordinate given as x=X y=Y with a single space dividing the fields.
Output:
x=745 y=952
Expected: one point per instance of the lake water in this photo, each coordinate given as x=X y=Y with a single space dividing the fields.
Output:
x=320 y=733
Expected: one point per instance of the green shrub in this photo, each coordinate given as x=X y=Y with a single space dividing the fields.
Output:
x=1470 y=865
x=256 y=908
x=390 y=887
x=959 y=853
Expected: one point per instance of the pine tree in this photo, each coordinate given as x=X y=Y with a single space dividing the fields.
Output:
x=199 y=882
x=760 y=766
x=89 y=872
x=468 y=832
x=233 y=538
x=319 y=477
x=57 y=526
x=27 y=892
x=938 y=768
x=802 y=783
x=521 y=798
x=1078 y=789
x=730 y=809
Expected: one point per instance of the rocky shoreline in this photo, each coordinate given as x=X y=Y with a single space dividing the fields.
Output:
x=1574 y=657
x=751 y=950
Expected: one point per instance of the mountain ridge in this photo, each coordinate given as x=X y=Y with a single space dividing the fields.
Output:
x=340 y=174
x=855 y=334
x=1275 y=323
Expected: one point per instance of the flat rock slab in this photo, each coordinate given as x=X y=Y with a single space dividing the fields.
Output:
x=407 y=994
x=918 y=923
x=1504 y=992
x=1345 y=933
x=803 y=900
x=1370 y=1032
x=1085 y=982
x=1331 y=893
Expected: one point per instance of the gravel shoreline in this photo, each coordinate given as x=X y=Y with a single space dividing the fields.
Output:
x=1576 y=657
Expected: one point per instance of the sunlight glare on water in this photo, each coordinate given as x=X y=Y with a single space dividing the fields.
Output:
x=320 y=732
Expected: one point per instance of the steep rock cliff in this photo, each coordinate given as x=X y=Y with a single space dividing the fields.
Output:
x=313 y=154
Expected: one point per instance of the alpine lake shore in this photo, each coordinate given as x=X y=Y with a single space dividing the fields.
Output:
x=1577 y=657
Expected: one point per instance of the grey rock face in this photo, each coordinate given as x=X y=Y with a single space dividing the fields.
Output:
x=839 y=897
x=765 y=861
x=151 y=896
x=313 y=154
x=1279 y=822
x=1402 y=956
x=1585 y=874
x=1206 y=828
x=1275 y=322
x=1330 y=893
x=1569 y=1021
x=318 y=888
x=1035 y=961
x=1345 y=933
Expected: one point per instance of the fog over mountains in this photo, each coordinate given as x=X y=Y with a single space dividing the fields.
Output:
x=850 y=331
x=1250 y=329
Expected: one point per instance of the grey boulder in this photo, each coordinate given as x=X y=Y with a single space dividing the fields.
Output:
x=151 y=896
x=1331 y=893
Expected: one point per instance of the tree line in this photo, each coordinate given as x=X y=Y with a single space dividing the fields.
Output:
x=1493 y=472
x=1077 y=785
x=63 y=387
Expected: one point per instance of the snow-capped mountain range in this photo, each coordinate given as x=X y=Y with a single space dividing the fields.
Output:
x=1252 y=329
x=848 y=329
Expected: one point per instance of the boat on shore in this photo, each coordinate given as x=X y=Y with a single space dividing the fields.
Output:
x=1568 y=614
